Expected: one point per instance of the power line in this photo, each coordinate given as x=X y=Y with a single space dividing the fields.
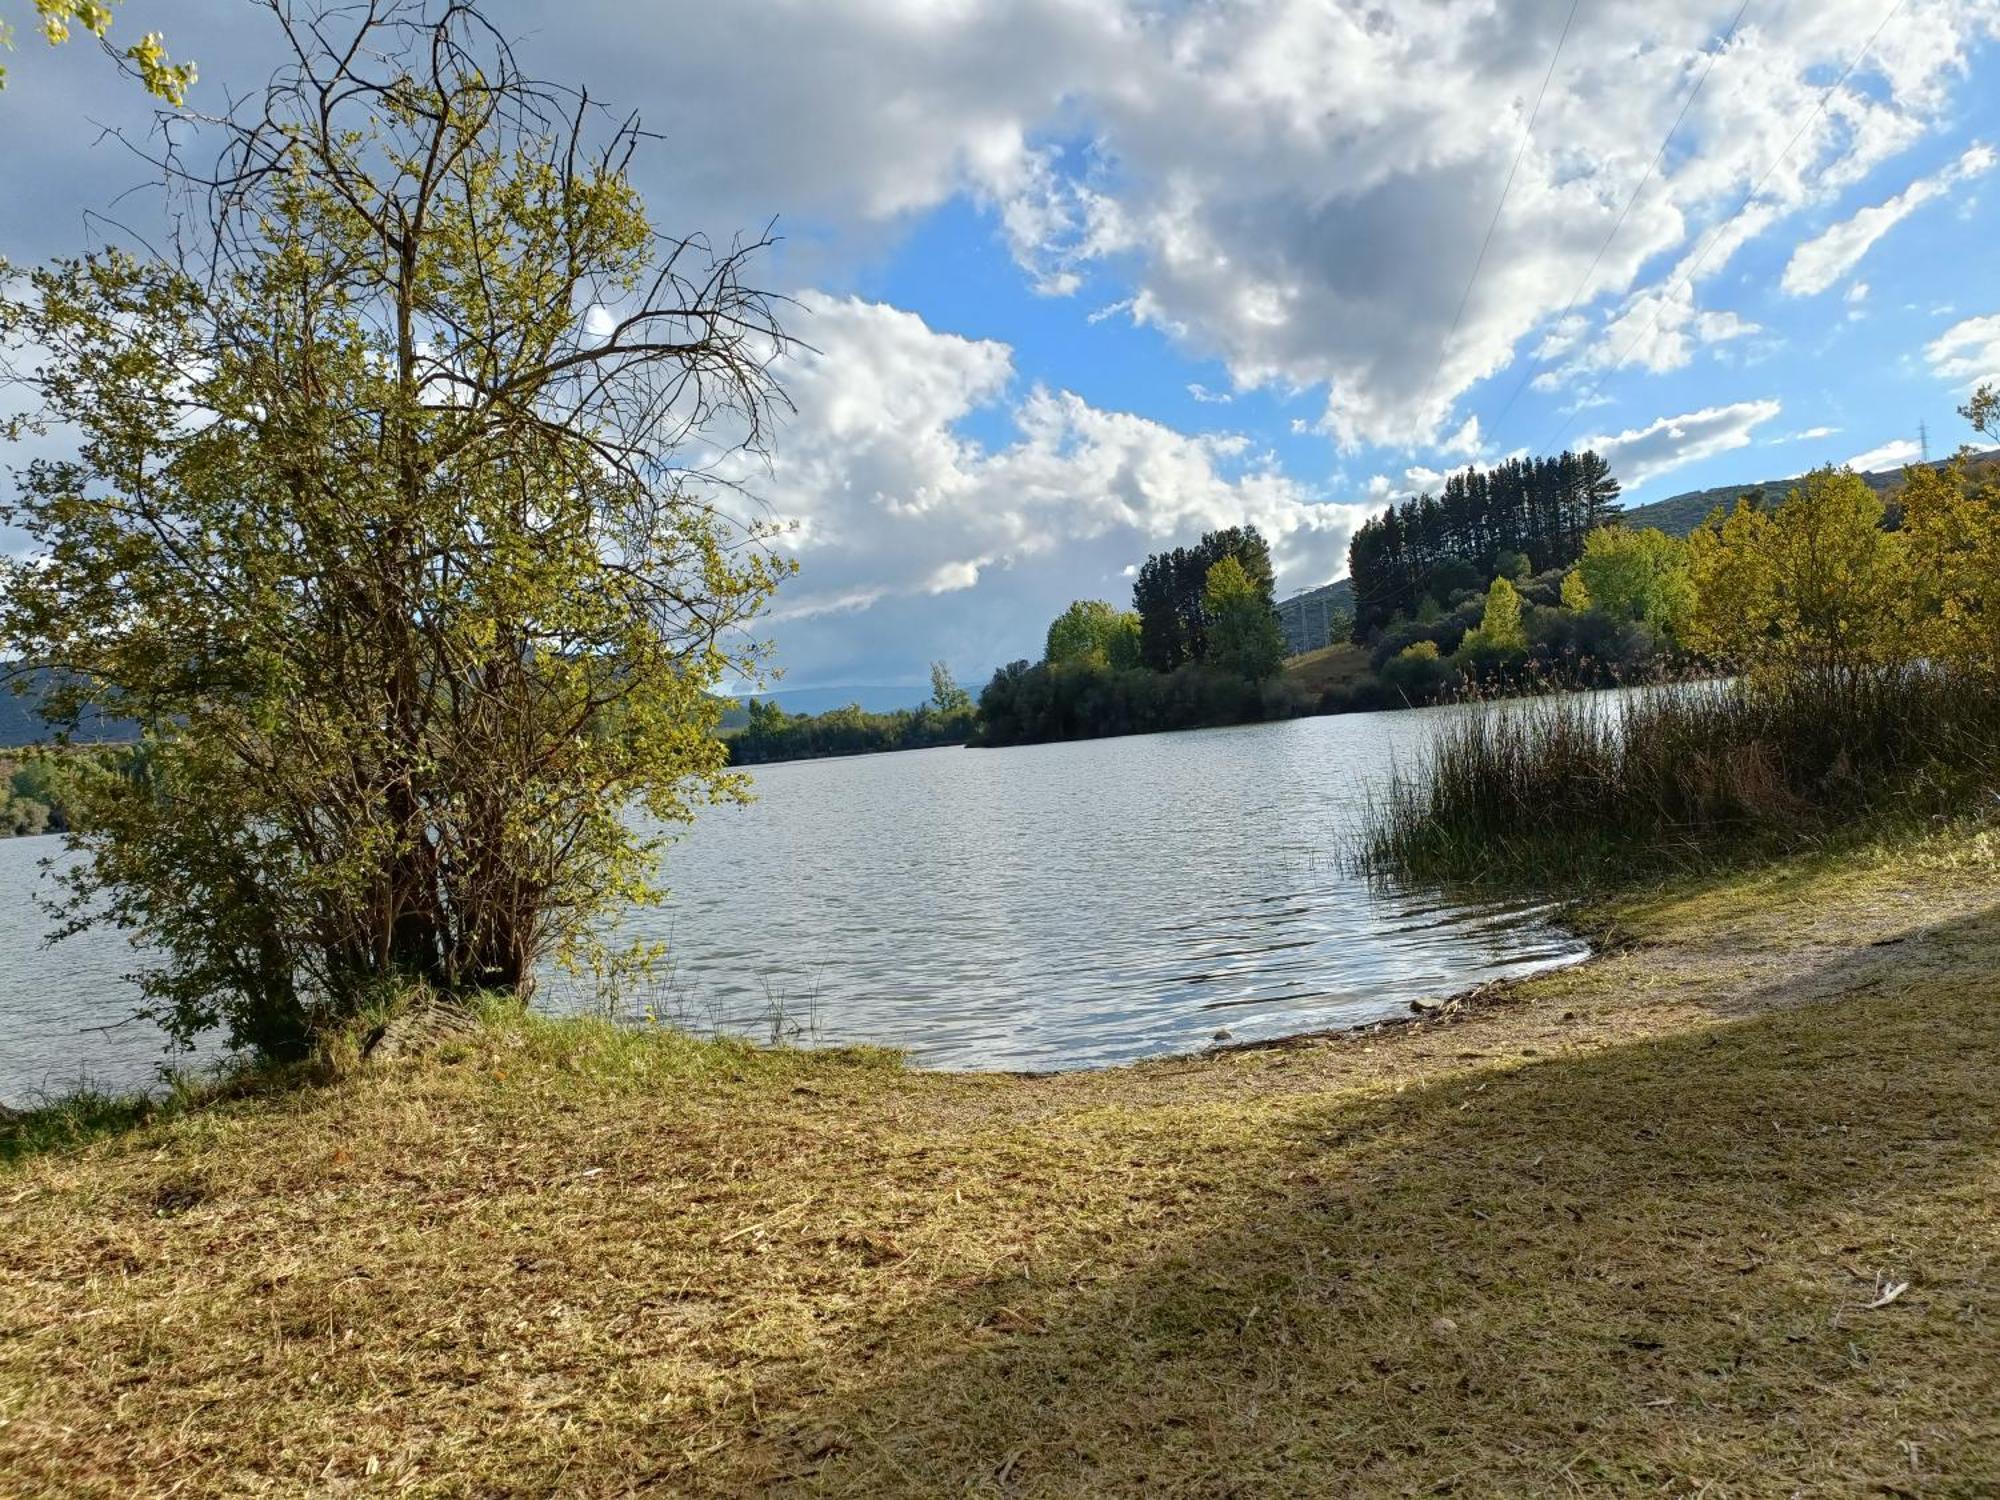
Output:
x=1527 y=135
x=1714 y=235
x=1625 y=213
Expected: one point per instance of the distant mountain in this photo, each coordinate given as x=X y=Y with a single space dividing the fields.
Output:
x=1677 y=515
x=1338 y=595
x=21 y=721
x=1312 y=619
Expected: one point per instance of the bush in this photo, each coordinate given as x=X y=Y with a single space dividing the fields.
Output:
x=1417 y=674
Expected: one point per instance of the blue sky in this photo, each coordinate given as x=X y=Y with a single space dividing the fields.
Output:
x=1083 y=278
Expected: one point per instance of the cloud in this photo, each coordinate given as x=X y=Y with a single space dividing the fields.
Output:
x=1891 y=455
x=1464 y=442
x=1643 y=453
x=926 y=542
x=1261 y=177
x=1967 y=353
x=1207 y=397
x=1803 y=435
x=1821 y=261
x=1857 y=292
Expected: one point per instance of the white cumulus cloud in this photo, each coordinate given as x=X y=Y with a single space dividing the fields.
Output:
x=1642 y=453
x=1822 y=260
x=893 y=506
x=1298 y=188
x=1891 y=455
x=1967 y=353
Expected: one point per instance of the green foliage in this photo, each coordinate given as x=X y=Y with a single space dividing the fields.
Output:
x=1951 y=541
x=1416 y=675
x=42 y=784
x=395 y=555
x=947 y=697
x=1868 y=694
x=1433 y=547
x=1638 y=577
x=1815 y=582
x=1499 y=630
x=1029 y=703
x=773 y=735
x=1094 y=633
x=1243 y=633
x=58 y=21
x=1169 y=594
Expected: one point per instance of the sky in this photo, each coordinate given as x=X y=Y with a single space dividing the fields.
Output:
x=1077 y=280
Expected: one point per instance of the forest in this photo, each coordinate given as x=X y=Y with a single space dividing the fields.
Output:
x=1526 y=515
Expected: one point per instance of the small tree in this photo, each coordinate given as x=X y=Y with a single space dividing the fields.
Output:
x=1094 y=633
x=1499 y=630
x=388 y=523
x=947 y=697
x=1244 y=636
x=1815 y=583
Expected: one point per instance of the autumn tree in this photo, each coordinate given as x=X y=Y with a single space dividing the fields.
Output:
x=1499 y=630
x=1637 y=576
x=1951 y=533
x=392 y=519
x=1813 y=583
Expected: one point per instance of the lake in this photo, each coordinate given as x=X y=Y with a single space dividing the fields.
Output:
x=1051 y=906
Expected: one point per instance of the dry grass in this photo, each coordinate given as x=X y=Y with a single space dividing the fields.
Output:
x=1340 y=665
x=1615 y=1232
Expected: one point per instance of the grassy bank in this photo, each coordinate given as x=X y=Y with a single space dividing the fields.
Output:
x=1619 y=1230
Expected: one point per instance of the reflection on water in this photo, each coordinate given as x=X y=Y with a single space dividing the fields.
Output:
x=1045 y=907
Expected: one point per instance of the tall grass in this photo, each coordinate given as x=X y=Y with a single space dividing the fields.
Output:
x=1590 y=789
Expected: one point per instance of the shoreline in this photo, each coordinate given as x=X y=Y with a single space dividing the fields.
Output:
x=1597 y=1229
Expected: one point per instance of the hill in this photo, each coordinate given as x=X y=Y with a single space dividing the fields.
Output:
x=1677 y=515
x=21 y=721
x=1314 y=618
x=1342 y=664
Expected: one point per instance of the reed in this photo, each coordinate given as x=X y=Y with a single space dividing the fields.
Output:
x=1604 y=789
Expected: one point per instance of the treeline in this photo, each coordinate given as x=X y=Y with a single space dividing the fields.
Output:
x=1617 y=615
x=946 y=718
x=1523 y=517
x=1201 y=647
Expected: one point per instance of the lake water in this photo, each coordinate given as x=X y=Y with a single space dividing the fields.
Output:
x=1051 y=906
